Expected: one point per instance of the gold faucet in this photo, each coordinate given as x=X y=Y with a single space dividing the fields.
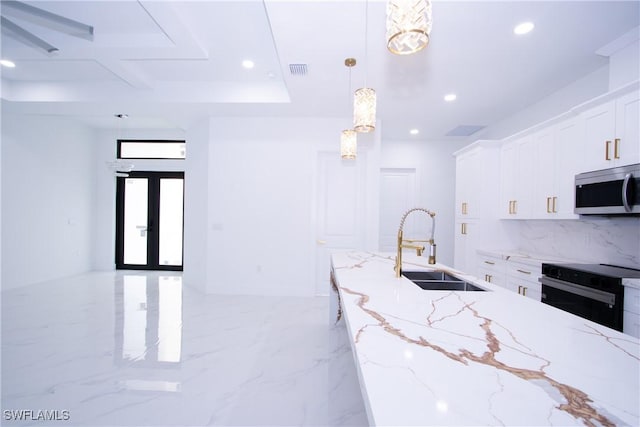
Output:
x=409 y=243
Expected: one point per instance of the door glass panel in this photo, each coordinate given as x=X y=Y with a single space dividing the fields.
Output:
x=171 y=212
x=135 y=220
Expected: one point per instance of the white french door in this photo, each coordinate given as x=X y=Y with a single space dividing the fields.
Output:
x=149 y=221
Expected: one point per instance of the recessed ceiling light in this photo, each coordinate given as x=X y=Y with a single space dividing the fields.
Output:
x=248 y=64
x=414 y=131
x=7 y=63
x=450 y=97
x=523 y=28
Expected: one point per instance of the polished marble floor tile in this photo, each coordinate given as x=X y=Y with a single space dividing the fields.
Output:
x=138 y=349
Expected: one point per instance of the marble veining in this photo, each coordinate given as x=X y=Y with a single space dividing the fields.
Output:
x=138 y=348
x=464 y=334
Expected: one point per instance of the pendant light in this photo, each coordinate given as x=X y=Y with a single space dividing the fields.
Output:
x=349 y=137
x=364 y=102
x=348 y=144
x=408 y=25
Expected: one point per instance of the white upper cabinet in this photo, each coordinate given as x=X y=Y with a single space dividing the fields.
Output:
x=611 y=136
x=627 y=150
x=468 y=172
x=518 y=178
x=559 y=157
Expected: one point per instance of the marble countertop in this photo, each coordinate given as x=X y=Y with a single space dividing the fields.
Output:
x=479 y=358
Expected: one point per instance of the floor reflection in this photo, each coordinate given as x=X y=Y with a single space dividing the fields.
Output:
x=148 y=321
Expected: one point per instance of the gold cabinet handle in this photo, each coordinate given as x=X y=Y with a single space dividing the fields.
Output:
x=515 y=207
x=321 y=242
x=519 y=289
x=607 y=145
x=524 y=271
x=464 y=208
x=616 y=148
x=553 y=209
x=489 y=277
x=548 y=204
x=524 y=291
x=463 y=228
x=489 y=262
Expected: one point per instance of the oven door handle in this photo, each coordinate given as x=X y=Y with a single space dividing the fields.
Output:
x=594 y=294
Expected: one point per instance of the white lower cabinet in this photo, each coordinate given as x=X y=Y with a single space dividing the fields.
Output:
x=491 y=269
x=631 y=315
x=631 y=324
x=515 y=273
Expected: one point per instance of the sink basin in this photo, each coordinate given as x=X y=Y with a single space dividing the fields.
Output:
x=429 y=275
x=440 y=281
x=447 y=285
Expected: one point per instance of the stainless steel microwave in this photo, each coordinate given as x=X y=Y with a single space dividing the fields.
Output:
x=614 y=191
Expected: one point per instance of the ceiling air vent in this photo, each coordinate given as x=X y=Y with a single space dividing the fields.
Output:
x=298 y=69
x=464 y=130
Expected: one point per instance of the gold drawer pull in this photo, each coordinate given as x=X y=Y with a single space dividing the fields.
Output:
x=607 y=145
x=548 y=204
x=519 y=289
x=616 y=148
x=523 y=271
x=524 y=291
x=553 y=209
x=489 y=262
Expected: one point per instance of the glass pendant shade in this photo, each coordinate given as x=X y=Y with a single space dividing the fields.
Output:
x=408 y=25
x=364 y=110
x=348 y=144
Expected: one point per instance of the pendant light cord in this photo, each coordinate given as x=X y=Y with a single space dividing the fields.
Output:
x=366 y=45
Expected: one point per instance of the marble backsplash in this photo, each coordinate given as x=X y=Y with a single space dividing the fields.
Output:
x=594 y=240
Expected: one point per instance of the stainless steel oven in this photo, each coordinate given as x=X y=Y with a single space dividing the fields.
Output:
x=592 y=291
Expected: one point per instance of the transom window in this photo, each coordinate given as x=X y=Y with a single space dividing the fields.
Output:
x=151 y=149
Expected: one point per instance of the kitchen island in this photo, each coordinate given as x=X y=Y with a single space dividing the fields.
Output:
x=478 y=358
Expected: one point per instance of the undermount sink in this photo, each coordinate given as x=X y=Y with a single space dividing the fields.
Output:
x=439 y=281
x=430 y=275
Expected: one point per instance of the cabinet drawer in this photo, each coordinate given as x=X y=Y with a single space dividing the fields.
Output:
x=632 y=300
x=631 y=324
x=524 y=271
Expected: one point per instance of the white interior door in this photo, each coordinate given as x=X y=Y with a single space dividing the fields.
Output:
x=340 y=220
x=397 y=195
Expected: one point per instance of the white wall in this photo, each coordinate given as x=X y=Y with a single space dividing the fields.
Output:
x=47 y=186
x=436 y=170
x=260 y=219
x=582 y=90
x=196 y=207
x=624 y=65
